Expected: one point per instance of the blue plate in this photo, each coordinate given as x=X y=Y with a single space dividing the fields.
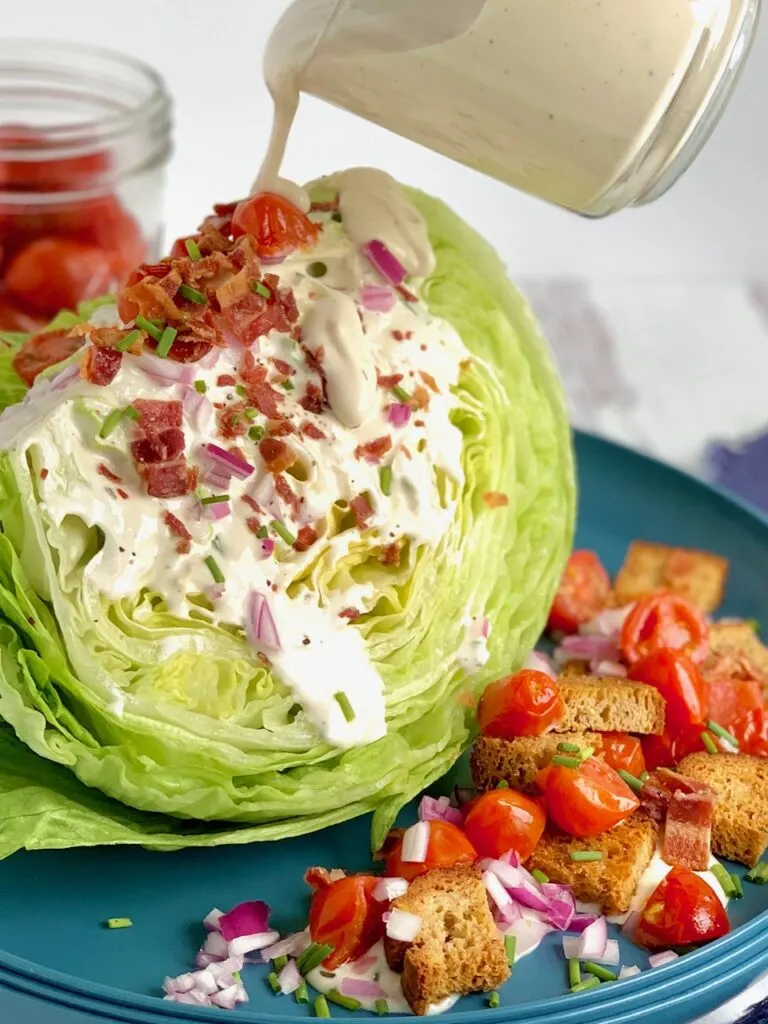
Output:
x=59 y=966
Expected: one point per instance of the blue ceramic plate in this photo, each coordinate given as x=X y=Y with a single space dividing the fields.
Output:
x=58 y=965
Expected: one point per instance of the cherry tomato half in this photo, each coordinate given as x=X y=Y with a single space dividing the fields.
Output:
x=664 y=620
x=588 y=800
x=44 y=174
x=56 y=273
x=683 y=910
x=525 y=704
x=503 y=820
x=658 y=752
x=345 y=915
x=447 y=846
x=43 y=350
x=583 y=592
x=679 y=682
x=277 y=226
x=623 y=752
x=728 y=698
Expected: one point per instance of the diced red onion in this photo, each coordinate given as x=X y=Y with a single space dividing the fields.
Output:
x=511 y=857
x=485 y=628
x=193 y=998
x=289 y=978
x=439 y=810
x=196 y=406
x=211 y=921
x=629 y=972
x=217 y=591
x=403 y=926
x=659 y=959
x=165 y=372
x=541 y=663
x=184 y=983
x=561 y=904
x=496 y=890
x=244 y=944
x=416 y=843
x=203 y=959
x=205 y=982
x=385 y=261
x=509 y=914
x=610 y=668
x=209 y=361
x=593 y=940
x=216 y=945
x=399 y=413
x=581 y=921
x=229 y=997
x=65 y=377
x=629 y=927
x=388 y=889
x=588 y=908
x=528 y=934
x=606 y=623
x=249 y=918
x=217 y=511
x=363 y=964
x=225 y=971
x=377 y=298
x=522 y=889
x=610 y=956
x=268 y=547
x=593 y=649
x=260 y=625
x=291 y=945
x=361 y=988
x=230 y=463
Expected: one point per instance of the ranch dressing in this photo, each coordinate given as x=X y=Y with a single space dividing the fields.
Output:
x=589 y=104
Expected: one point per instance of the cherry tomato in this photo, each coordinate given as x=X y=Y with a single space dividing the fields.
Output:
x=622 y=751
x=43 y=350
x=345 y=915
x=277 y=226
x=57 y=273
x=683 y=910
x=679 y=682
x=503 y=820
x=447 y=846
x=525 y=704
x=728 y=698
x=44 y=174
x=751 y=730
x=588 y=800
x=664 y=620
x=14 y=318
x=657 y=752
x=583 y=592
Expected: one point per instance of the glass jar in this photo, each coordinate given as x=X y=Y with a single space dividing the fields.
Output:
x=85 y=136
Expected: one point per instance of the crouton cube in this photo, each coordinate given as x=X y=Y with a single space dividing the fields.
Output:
x=696 y=575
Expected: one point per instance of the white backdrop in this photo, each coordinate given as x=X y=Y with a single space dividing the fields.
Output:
x=713 y=223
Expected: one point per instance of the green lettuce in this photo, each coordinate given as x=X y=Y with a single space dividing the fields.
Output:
x=206 y=749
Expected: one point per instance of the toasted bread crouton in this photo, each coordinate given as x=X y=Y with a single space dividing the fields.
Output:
x=609 y=704
x=627 y=850
x=740 y=824
x=517 y=762
x=737 y=651
x=459 y=949
x=697 y=575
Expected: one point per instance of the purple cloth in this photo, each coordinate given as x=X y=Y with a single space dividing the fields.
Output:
x=743 y=470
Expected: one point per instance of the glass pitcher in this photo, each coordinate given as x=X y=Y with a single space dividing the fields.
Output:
x=594 y=105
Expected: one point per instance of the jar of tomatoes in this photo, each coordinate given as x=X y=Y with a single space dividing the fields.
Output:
x=85 y=135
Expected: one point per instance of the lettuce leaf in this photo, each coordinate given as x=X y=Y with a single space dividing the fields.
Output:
x=204 y=749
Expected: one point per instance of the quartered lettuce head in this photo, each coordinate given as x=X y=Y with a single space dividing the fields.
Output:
x=203 y=732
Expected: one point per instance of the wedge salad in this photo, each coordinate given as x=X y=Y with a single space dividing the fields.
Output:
x=272 y=516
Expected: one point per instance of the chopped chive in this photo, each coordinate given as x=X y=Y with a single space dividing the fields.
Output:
x=317 y=269
x=738 y=888
x=274 y=981
x=631 y=780
x=125 y=343
x=586 y=855
x=201 y=386
x=574 y=973
x=502 y=784
x=110 y=422
x=214 y=499
x=192 y=294
x=282 y=531
x=494 y=1000
x=261 y=289
x=401 y=393
x=540 y=877
x=510 y=946
x=723 y=878
x=321 y=1007
x=585 y=986
x=709 y=743
x=569 y=748
x=130 y=413
x=302 y=993
x=586 y=753
x=602 y=973
x=334 y=996
x=256 y=433
x=758 y=875
x=322 y=194
x=240 y=389
x=192 y=248
x=385 y=480
x=346 y=708
x=166 y=340
x=644 y=777
x=718 y=730
x=280 y=962
x=288 y=385
x=119 y=922
x=213 y=565
x=312 y=957
x=262 y=533
x=382 y=1007
x=566 y=762
x=151 y=328
x=251 y=414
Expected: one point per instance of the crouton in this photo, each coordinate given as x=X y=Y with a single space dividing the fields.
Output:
x=610 y=704
x=737 y=651
x=697 y=575
x=627 y=850
x=459 y=949
x=740 y=823
x=517 y=762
